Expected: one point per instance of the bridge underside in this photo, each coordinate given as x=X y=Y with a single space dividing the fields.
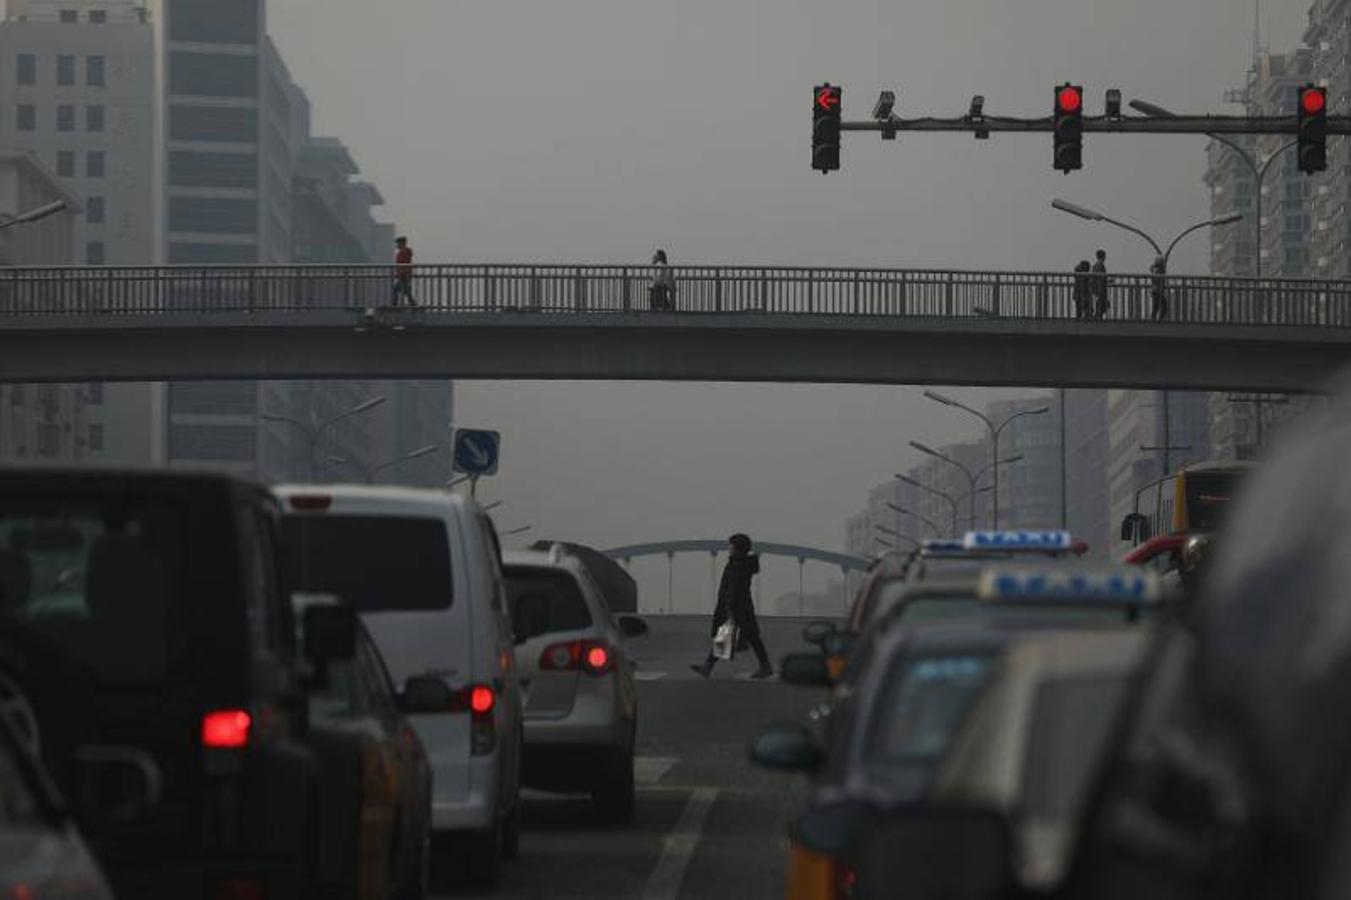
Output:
x=679 y=347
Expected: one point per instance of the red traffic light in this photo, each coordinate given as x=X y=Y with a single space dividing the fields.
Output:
x=1069 y=99
x=828 y=98
x=1313 y=100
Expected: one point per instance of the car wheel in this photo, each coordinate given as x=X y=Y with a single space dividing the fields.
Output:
x=511 y=833
x=614 y=795
x=485 y=858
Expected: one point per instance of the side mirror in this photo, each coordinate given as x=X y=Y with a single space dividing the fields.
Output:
x=787 y=747
x=330 y=634
x=804 y=670
x=632 y=626
x=935 y=852
x=817 y=632
x=833 y=827
x=115 y=785
x=1135 y=527
x=424 y=694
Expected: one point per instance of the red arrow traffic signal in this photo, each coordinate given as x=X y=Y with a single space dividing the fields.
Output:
x=827 y=98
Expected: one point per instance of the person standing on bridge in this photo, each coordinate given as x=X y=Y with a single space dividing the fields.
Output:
x=661 y=295
x=735 y=602
x=1099 y=281
x=403 y=271
x=1083 y=290
x=1158 y=289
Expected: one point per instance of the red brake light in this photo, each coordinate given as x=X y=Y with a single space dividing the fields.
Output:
x=481 y=700
x=226 y=728
x=311 y=502
x=597 y=658
x=561 y=657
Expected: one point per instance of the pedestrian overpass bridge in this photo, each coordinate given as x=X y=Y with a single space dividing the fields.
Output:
x=881 y=326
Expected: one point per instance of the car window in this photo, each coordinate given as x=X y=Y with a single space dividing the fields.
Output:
x=924 y=703
x=545 y=601
x=924 y=610
x=377 y=690
x=375 y=563
x=1071 y=722
x=100 y=580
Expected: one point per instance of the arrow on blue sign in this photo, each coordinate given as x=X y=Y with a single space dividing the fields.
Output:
x=476 y=452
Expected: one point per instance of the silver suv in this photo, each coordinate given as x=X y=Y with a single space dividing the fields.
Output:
x=576 y=677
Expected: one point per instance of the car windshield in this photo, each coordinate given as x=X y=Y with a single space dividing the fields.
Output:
x=1071 y=723
x=545 y=601
x=99 y=582
x=923 y=703
x=376 y=563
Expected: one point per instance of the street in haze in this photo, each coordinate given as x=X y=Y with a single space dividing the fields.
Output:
x=709 y=824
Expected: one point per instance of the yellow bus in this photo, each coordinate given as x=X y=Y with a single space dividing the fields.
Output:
x=1191 y=501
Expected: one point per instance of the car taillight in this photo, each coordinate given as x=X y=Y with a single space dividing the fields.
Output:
x=226 y=728
x=311 y=502
x=592 y=657
x=597 y=659
x=481 y=700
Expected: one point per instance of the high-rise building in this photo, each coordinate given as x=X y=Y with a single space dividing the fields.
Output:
x=77 y=82
x=1087 y=446
x=40 y=422
x=1328 y=37
x=1029 y=489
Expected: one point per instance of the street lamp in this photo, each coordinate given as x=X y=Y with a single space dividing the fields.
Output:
x=314 y=431
x=933 y=526
x=929 y=451
x=1259 y=170
x=995 y=431
x=369 y=472
x=33 y=215
x=1093 y=215
x=522 y=530
x=492 y=506
x=933 y=490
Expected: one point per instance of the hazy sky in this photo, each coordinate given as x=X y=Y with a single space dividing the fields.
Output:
x=596 y=130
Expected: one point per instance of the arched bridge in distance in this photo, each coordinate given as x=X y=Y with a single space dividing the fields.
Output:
x=845 y=562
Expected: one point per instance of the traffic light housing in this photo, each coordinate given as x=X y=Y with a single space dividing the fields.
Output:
x=826 y=102
x=1313 y=129
x=1069 y=127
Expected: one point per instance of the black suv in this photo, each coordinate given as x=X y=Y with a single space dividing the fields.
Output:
x=150 y=612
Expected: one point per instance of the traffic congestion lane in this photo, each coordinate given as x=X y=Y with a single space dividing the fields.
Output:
x=709 y=823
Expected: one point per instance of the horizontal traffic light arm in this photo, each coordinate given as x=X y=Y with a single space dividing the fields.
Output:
x=1102 y=124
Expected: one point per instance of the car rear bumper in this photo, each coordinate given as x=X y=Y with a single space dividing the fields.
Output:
x=476 y=809
x=567 y=767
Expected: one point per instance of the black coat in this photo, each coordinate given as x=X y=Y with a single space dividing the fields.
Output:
x=734 y=595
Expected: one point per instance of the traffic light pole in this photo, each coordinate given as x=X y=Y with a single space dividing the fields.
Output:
x=1205 y=125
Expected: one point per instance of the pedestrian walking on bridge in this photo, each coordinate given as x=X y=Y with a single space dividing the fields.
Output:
x=661 y=295
x=1158 y=284
x=736 y=605
x=1083 y=290
x=403 y=271
x=1099 y=282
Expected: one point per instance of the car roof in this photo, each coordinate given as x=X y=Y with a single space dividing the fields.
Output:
x=124 y=478
x=540 y=559
x=348 y=498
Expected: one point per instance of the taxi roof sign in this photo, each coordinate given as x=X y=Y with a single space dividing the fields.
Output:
x=1036 y=541
x=1130 y=586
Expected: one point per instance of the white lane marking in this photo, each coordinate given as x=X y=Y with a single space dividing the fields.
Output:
x=640 y=675
x=678 y=847
x=648 y=770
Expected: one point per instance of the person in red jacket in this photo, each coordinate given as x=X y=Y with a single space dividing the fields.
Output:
x=403 y=271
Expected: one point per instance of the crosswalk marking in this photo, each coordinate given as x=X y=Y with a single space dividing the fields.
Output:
x=641 y=675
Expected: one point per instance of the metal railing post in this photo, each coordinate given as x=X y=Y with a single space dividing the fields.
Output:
x=949 y=293
x=579 y=291
x=764 y=290
x=717 y=290
x=627 y=290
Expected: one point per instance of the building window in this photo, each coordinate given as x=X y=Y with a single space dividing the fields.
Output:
x=28 y=68
x=70 y=16
x=65 y=70
x=65 y=163
x=94 y=393
x=94 y=119
x=94 y=210
x=94 y=254
x=212 y=75
x=94 y=75
x=26 y=117
x=94 y=164
x=65 y=118
x=95 y=437
x=98 y=17
x=213 y=215
x=210 y=123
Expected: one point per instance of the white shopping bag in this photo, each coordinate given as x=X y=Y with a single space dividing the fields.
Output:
x=724 y=640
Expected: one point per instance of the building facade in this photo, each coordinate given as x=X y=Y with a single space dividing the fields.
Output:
x=1029 y=489
x=1328 y=38
x=1087 y=448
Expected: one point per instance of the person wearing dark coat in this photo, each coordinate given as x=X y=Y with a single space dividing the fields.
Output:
x=734 y=600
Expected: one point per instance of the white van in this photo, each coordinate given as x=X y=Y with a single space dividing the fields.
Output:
x=424 y=570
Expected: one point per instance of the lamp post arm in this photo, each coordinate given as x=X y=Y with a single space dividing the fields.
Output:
x=1171 y=247
x=1133 y=230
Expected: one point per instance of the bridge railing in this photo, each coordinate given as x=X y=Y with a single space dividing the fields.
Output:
x=529 y=289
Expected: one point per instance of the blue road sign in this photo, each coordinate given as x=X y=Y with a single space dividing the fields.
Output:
x=476 y=452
